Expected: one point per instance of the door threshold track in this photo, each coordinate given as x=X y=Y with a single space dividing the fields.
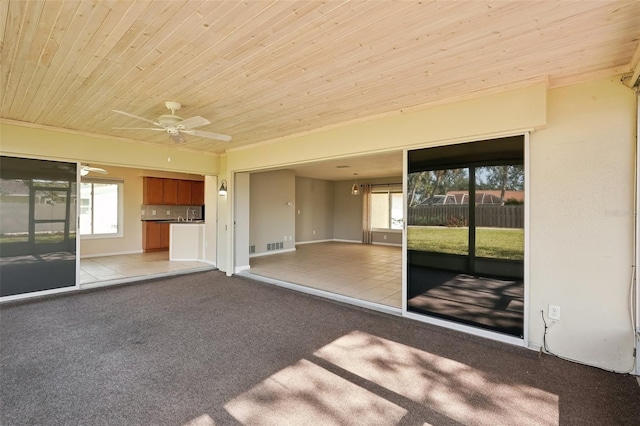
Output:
x=323 y=293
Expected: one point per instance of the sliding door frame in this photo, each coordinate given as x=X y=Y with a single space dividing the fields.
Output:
x=524 y=341
x=76 y=285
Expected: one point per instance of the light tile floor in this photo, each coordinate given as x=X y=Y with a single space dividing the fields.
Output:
x=107 y=268
x=363 y=271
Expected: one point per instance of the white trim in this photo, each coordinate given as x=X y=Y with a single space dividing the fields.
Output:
x=325 y=294
x=314 y=241
x=239 y=269
x=386 y=244
x=331 y=240
x=466 y=329
x=115 y=253
x=386 y=230
x=269 y=253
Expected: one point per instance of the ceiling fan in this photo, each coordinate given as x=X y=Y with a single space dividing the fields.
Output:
x=176 y=126
x=84 y=170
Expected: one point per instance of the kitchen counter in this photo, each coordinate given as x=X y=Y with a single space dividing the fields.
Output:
x=186 y=240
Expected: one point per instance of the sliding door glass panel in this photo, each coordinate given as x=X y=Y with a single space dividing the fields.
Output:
x=438 y=212
x=499 y=220
x=14 y=213
x=38 y=235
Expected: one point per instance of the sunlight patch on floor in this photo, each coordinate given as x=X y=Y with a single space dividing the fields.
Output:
x=451 y=388
x=305 y=394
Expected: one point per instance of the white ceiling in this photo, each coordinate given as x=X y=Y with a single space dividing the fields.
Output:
x=263 y=70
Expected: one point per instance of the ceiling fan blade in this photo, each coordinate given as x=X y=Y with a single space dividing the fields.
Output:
x=97 y=170
x=192 y=122
x=138 y=128
x=177 y=137
x=208 y=135
x=139 y=118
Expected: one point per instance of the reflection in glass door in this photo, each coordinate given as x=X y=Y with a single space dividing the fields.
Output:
x=37 y=225
x=465 y=234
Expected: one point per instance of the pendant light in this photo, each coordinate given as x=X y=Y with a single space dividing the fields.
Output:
x=355 y=190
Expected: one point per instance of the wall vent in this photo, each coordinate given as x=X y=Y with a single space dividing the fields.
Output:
x=275 y=246
x=252 y=249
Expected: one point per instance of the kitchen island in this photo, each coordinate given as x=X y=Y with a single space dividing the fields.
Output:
x=186 y=241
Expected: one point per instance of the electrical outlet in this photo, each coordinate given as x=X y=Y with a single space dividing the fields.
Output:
x=314 y=232
x=554 y=312
x=153 y=212
x=168 y=212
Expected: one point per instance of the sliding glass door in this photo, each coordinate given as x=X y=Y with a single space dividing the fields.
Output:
x=37 y=225
x=465 y=234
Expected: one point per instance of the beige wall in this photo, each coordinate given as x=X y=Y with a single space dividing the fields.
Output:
x=314 y=209
x=581 y=239
x=271 y=217
x=57 y=145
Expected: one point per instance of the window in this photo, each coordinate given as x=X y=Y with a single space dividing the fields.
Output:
x=101 y=208
x=386 y=208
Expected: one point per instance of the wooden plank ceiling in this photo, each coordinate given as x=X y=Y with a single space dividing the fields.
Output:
x=262 y=70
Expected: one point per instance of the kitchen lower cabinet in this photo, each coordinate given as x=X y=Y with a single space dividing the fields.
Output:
x=155 y=236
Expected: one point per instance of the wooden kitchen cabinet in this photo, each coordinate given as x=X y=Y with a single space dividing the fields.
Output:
x=170 y=193
x=197 y=193
x=161 y=191
x=155 y=236
x=152 y=190
x=184 y=192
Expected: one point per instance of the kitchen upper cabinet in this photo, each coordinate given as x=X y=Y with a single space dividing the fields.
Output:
x=152 y=190
x=170 y=194
x=197 y=193
x=184 y=192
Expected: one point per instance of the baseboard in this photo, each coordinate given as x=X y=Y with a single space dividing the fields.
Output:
x=117 y=253
x=387 y=244
x=332 y=240
x=313 y=241
x=269 y=253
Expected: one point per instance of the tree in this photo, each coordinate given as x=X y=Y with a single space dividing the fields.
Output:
x=503 y=178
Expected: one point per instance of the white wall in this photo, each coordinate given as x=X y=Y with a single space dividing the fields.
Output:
x=582 y=173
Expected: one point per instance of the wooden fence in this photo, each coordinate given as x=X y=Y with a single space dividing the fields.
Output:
x=458 y=215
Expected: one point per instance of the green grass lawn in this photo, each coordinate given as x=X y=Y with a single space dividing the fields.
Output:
x=497 y=243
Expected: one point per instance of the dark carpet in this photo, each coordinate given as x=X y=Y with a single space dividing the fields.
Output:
x=207 y=349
